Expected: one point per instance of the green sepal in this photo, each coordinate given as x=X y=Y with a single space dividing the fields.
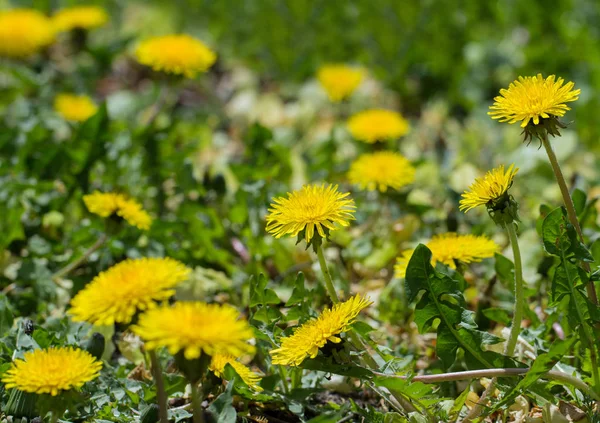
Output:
x=194 y=370
x=316 y=241
x=95 y=345
x=504 y=210
x=547 y=126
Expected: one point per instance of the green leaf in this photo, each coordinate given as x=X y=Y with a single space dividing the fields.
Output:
x=299 y=292
x=222 y=408
x=497 y=315
x=505 y=270
x=568 y=284
x=6 y=315
x=579 y=199
x=560 y=237
x=459 y=403
x=542 y=364
x=260 y=294
x=444 y=302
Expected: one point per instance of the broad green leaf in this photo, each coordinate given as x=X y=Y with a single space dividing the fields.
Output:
x=505 y=269
x=579 y=200
x=568 y=284
x=497 y=314
x=299 y=292
x=222 y=408
x=6 y=315
x=260 y=294
x=443 y=301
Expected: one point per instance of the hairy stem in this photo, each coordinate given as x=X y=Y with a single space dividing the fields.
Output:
x=355 y=340
x=197 y=404
x=161 y=396
x=515 y=328
x=328 y=281
x=564 y=190
x=284 y=381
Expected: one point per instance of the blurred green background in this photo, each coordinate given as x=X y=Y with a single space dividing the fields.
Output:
x=461 y=51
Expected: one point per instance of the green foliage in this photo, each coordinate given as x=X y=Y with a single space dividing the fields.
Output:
x=443 y=303
x=570 y=280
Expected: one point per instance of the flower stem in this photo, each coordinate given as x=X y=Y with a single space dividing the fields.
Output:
x=501 y=372
x=75 y=264
x=355 y=340
x=197 y=404
x=161 y=395
x=564 y=190
x=283 y=376
x=328 y=281
x=54 y=417
x=515 y=327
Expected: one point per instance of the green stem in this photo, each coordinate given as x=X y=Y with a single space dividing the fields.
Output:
x=197 y=404
x=564 y=190
x=328 y=281
x=515 y=327
x=54 y=417
x=161 y=395
x=283 y=376
x=355 y=340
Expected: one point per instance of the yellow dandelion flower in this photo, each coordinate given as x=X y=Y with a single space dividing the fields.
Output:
x=314 y=334
x=340 y=81
x=487 y=190
x=79 y=17
x=449 y=248
x=375 y=125
x=106 y=204
x=176 y=54
x=194 y=328
x=319 y=207
x=77 y=108
x=531 y=98
x=381 y=170
x=24 y=32
x=402 y=263
x=52 y=371
x=219 y=361
x=116 y=294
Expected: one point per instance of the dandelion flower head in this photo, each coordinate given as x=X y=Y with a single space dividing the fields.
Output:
x=79 y=17
x=312 y=208
x=194 y=328
x=340 y=81
x=382 y=170
x=449 y=248
x=314 y=334
x=219 y=361
x=24 y=32
x=532 y=98
x=52 y=371
x=176 y=54
x=116 y=294
x=375 y=125
x=106 y=204
x=489 y=189
x=77 y=108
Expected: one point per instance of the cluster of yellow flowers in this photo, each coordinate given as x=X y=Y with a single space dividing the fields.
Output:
x=26 y=32
x=136 y=292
